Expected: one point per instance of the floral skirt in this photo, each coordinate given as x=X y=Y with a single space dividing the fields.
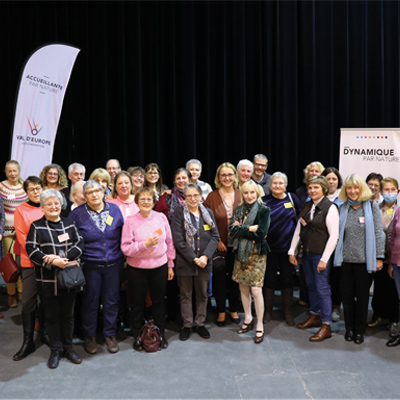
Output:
x=250 y=272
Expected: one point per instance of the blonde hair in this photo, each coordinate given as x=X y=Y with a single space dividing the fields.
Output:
x=16 y=163
x=100 y=173
x=393 y=181
x=226 y=165
x=309 y=166
x=356 y=180
x=250 y=184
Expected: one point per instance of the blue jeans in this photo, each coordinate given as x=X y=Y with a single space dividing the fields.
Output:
x=396 y=273
x=319 y=290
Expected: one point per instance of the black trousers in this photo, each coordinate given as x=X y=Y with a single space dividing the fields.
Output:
x=279 y=262
x=139 y=279
x=335 y=277
x=355 y=283
x=385 y=302
x=59 y=319
x=223 y=286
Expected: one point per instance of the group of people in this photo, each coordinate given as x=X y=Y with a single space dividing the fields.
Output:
x=152 y=250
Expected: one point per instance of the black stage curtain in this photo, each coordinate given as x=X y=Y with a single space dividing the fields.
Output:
x=219 y=81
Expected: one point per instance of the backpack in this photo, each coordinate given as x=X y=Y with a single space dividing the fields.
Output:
x=150 y=336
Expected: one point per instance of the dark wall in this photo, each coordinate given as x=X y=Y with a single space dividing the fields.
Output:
x=219 y=81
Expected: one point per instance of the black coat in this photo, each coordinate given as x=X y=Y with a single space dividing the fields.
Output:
x=206 y=242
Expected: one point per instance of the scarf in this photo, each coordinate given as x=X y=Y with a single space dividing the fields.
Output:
x=370 y=240
x=190 y=229
x=242 y=245
x=174 y=200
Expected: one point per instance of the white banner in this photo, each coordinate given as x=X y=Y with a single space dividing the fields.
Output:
x=363 y=151
x=41 y=93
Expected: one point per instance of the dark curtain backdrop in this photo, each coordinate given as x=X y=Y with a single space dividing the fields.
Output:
x=219 y=81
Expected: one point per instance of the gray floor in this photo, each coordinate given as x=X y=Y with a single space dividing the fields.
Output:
x=285 y=366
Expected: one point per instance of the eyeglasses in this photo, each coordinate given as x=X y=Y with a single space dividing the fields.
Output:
x=152 y=173
x=51 y=205
x=52 y=173
x=223 y=176
x=35 y=189
x=260 y=165
x=192 y=196
x=145 y=200
x=92 y=192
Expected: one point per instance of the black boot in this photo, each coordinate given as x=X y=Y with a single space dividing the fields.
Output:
x=269 y=295
x=28 y=347
x=287 y=300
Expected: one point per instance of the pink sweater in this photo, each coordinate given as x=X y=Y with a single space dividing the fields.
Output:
x=127 y=209
x=135 y=232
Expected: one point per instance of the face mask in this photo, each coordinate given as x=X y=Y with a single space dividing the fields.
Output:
x=389 y=197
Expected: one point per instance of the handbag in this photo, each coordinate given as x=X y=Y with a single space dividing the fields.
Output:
x=218 y=261
x=71 y=277
x=150 y=337
x=8 y=268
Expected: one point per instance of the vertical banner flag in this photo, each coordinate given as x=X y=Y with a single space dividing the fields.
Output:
x=363 y=151
x=41 y=93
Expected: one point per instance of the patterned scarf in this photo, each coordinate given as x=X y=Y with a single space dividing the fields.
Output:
x=175 y=199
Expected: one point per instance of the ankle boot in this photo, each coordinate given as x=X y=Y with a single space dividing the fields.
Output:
x=269 y=295
x=28 y=347
x=287 y=300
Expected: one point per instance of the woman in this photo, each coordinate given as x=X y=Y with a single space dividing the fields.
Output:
x=103 y=177
x=195 y=167
x=76 y=196
x=360 y=252
x=315 y=168
x=318 y=229
x=284 y=208
x=245 y=170
x=24 y=215
x=222 y=202
x=123 y=195
x=52 y=243
x=147 y=244
x=153 y=179
x=13 y=195
x=100 y=225
x=247 y=231
x=385 y=302
x=196 y=238
x=168 y=202
x=335 y=183
x=374 y=183
x=137 y=174
x=54 y=177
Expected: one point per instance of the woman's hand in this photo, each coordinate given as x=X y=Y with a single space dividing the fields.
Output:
x=390 y=270
x=253 y=228
x=60 y=262
x=152 y=240
x=50 y=258
x=293 y=260
x=221 y=247
x=170 y=273
x=201 y=261
x=321 y=266
x=379 y=265
x=237 y=223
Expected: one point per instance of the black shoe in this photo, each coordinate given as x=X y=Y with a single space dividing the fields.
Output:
x=184 y=333
x=164 y=343
x=54 y=359
x=137 y=345
x=393 y=342
x=72 y=356
x=235 y=320
x=358 y=338
x=203 y=332
x=24 y=351
x=220 y=323
x=349 y=336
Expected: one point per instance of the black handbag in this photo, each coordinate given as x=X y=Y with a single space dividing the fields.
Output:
x=71 y=277
x=218 y=261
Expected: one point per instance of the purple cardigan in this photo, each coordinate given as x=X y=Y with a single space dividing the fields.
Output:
x=395 y=239
x=100 y=247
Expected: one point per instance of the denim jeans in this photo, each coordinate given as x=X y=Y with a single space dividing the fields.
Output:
x=319 y=290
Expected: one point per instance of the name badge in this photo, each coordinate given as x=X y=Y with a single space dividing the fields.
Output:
x=158 y=232
x=109 y=220
x=362 y=220
x=390 y=211
x=11 y=197
x=206 y=227
x=128 y=212
x=63 y=237
x=288 y=205
x=304 y=223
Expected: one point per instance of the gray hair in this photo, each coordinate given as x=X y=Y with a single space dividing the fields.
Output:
x=194 y=161
x=278 y=175
x=262 y=156
x=48 y=194
x=244 y=162
x=91 y=184
x=193 y=186
x=76 y=165
x=75 y=188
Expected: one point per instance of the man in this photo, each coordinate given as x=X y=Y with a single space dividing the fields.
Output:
x=76 y=172
x=260 y=162
x=113 y=167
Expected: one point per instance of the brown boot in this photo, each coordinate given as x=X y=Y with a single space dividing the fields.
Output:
x=312 y=321
x=323 y=333
x=12 y=301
